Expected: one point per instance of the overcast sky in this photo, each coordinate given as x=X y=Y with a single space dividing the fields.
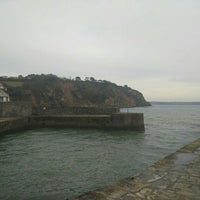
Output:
x=150 y=45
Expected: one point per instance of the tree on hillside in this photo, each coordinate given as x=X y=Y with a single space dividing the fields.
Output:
x=77 y=78
x=92 y=79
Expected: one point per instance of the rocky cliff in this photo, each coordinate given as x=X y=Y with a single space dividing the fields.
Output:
x=51 y=90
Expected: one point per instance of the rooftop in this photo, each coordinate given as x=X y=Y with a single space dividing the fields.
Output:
x=3 y=94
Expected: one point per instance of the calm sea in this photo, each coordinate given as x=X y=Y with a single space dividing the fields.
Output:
x=62 y=163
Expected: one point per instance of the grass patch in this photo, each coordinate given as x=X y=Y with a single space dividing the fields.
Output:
x=14 y=83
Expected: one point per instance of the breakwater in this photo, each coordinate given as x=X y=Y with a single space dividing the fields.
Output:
x=73 y=110
x=13 y=124
x=174 y=177
x=118 y=121
x=21 y=115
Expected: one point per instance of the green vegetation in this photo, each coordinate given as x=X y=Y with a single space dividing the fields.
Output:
x=13 y=83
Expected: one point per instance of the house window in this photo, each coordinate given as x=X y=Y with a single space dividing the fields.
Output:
x=4 y=99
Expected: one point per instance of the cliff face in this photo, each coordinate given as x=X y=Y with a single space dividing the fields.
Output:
x=45 y=90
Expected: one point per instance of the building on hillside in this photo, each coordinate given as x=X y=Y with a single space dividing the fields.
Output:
x=4 y=97
x=1 y=86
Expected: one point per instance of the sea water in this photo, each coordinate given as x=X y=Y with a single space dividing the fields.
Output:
x=63 y=163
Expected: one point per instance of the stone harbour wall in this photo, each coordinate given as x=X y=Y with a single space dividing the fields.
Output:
x=24 y=109
x=74 y=110
x=59 y=116
x=129 y=121
x=13 y=124
x=15 y=109
x=120 y=121
x=173 y=177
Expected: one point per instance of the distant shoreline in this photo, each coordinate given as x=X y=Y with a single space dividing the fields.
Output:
x=175 y=103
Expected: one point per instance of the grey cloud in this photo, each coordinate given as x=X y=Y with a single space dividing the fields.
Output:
x=116 y=40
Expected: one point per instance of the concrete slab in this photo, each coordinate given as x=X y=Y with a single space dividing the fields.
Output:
x=177 y=176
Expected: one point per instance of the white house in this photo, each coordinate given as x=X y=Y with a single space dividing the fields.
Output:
x=4 y=97
x=1 y=86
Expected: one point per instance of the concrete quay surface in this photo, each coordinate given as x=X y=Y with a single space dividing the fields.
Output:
x=176 y=177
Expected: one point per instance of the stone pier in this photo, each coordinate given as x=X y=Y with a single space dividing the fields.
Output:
x=117 y=121
x=176 y=177
x=11 y=113
x=12 y=124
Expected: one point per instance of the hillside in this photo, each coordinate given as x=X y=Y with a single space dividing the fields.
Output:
x=50 y=90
